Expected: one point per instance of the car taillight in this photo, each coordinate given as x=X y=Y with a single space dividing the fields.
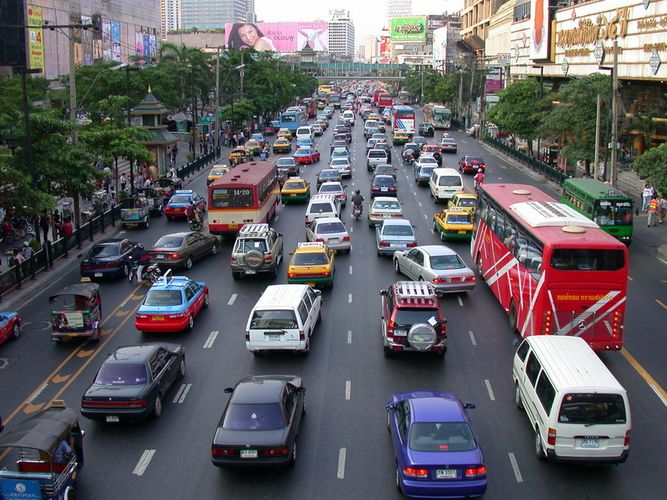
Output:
x=384 y=244
x=275 y=452
x=291 y=275
x=626 y=441
x=233 y=259
x=547 y=323
x=374 y=215
x=247 y=336
x=306 y=218
x=470 y=278
x=302 y=335
x=615 y=325
x=319 y=240
x=174 y=256
x=472 y=472
x=268 y=258
x=223 y=452
x=390 y=327
x=551 y=437
x=438 y=281
x=346 y=238
x=142 y=316
x=411 y=244
x=176 y=316
x=415 y=472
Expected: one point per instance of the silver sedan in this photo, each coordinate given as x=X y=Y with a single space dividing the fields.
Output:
x=438 y=264
x=331 y=231
x=394 y=234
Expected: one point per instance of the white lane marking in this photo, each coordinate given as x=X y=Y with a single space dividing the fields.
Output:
x=472 y=337
x=487 y=382
x=352 y=229
x=415 y=193
x=232 y=299
x=515 y=468
x=658 y=393
x=349 y=336
x=350 y=271
x=144 y=460
x=348 y=389
x=419 y=203
x=276 y=218
x=38 y=392
x=126 y=301
x=426 y=216
x=211 y=338
x=349 y=298
x=341 y=463
x=460 y=300
x=121 y=232
x=182 y=393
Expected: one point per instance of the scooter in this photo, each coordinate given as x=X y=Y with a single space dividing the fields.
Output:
x=356 y=211
x=149 y=274
x=195 y=225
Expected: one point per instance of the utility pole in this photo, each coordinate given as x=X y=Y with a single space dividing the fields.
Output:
x=73 y=114
x=461 y=122
x=596 y=161
x=217 y=103
x=472 y=84
x=421 y=100
x=241 y=75
x=614 y=122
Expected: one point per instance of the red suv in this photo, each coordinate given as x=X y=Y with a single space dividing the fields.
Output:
x=471 y=164
x=412 y=319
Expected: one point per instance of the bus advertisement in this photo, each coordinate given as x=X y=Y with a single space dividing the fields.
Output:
x=403 y=119
x=292 y=119
x=442 y=118
x=554 y=271
x=246 y=194
x=608 y=207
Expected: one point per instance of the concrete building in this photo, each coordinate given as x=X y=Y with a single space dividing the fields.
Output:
x=341 y=34
x=170 y=16
x=398 y=8
x=213 y=14
x=128 y=28
x=368 y=50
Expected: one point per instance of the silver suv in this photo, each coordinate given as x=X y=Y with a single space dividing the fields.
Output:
x=258 y=249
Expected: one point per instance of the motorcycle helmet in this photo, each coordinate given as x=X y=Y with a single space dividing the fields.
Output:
x=357 y=192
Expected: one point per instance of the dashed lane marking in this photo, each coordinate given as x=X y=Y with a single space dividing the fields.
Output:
x=349 y=336
x=232 y=299
x=460 y=300
x=341 y=463
x=211 y=338
x=515 y=468
x=143 y=462
x=350 y=271
x=492 y=396
x=348 y=390
x=472 y=337
x=181 y=394
x=349 y=298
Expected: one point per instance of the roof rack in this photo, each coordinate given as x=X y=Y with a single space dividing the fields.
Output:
x=258 y=229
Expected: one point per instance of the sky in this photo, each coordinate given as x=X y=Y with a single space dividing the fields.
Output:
x=368 y=15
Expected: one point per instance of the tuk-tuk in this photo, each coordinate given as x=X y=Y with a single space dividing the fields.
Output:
x=102 y=202
x=76 y=311
x=48 y=449
x=239 y=155
x=155 y=199
x=136 y=214
x=168 y=185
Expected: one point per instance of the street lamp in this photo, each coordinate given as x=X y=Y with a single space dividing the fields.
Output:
x=238 y=68
x=105 y=70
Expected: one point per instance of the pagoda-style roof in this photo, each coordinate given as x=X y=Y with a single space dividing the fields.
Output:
x=159 y=136
x=149 y=106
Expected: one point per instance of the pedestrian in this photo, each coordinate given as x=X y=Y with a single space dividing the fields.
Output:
x=123 y=182
x=45 y=224
x=27 y=250
x=68 y=227
x=174 y=153
x=653 y=210
x=148 y=183
x=172 y=171
x=647 y=194
x=18 y=257
x=662 y=209
x=233 y=141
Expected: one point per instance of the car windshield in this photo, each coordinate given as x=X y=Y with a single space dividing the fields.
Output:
x=383 y=181
x=163 y=298
x=273 y=319
x=122 y=374
x=309 y=259
x=426 y=171
x=467 y=202
x=592 y=409
x=103 y=251
x=413 y=316
x=248 y=244
x=397 y=230
x=587 y=259
x=386 y=205
x=475 y=159
x=217 y=171
x=330 y=188
x=169 y=242
x=427 y=159
x=458 y=219
x=285 y=162
x=385 y=169
x=293 y=185
x=450 y=180
x=340 y=162
x=339 y=152
x=254 y=417
x=180 y=199
x=444 y=262
x=330 y=227
x=448 y=141
x=441 y=436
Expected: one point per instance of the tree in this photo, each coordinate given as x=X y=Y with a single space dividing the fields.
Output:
x=652 y=165
x=644 y=125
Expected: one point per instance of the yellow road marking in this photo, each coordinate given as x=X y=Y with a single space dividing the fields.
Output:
x=84 y=353
x=663 y=305
x=30 y=408
x=59 y=379
x=652 y=383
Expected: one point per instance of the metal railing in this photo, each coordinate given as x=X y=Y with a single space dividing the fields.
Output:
x=547 y=170
x=195 y=165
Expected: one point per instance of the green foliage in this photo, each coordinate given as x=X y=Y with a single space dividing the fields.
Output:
x=652 y=166
x=516 y=111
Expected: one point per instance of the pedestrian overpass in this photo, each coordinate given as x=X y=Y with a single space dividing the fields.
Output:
x=357 y=71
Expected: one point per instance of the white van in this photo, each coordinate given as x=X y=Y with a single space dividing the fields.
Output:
x=322 y=205
x=445 y=183
x=305 y=132
x=348 y=116
x=577 y=408
x=283 y=318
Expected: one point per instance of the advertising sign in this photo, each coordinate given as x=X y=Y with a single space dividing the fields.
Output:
x=539 y=41
x=115 y=41
x=106 y=40
x=440 y=46
x=278 y=37
x=14 y=489
x=494 y=79
x=36 y=40
x=408 y=29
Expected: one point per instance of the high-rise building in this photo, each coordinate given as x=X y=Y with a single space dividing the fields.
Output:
x=213 y=14
x=341 y=34
x=399 y=8
x=250 y=15
x=170 y=16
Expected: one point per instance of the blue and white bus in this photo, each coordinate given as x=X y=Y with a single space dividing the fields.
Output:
x=292 y=119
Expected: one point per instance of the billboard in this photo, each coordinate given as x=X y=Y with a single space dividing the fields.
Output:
x=539 y=39
x=440 y=46
x=408 y=29
x=278 y=37
x=36 y=41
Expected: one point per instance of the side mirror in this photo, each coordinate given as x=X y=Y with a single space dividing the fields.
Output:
x=469 y=406
x=229 y=390
x=390 y=407
x=383 y=292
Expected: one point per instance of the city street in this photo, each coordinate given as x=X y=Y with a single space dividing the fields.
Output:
x=344 y=448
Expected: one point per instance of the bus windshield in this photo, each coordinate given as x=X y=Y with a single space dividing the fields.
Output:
x=232 y=198
x=613 y=213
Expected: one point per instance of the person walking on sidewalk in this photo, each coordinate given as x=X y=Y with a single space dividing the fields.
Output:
x=123 y=182
x=647 y=194
x=174 y=152
x=653 y=211
x=45 y=224
x=662 y=209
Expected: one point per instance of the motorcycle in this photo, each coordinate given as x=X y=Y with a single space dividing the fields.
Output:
x=195 y=225
x=149 y=274
x=408 y=158
x=356 y=211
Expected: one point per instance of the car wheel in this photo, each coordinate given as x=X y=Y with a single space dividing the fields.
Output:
x=16 y=331
x=292 y=458
x=181 y=368
x=157 y=406
x=306 y=349
x=513 y=317
x=480 y=274
x=191 y=322
x=539 y=449
x=236 y=276
x=303 y=408
x=388 y=353
x=398 y=480
x=206 y=300
x=440 y=354
x=397 y=266
x=98 y=334
x=517 y=396
x=147 y=224
x=188 y=263
x=214 y=249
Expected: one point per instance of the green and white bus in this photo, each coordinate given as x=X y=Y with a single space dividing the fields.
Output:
x=608 y=207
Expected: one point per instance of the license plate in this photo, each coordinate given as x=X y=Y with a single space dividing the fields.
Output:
x=248 y=453
x=334 y=240
x=462 y=232
x=250 y=271
x=98 y=275
x=293 y=194
x=233 y=226
x=384 y=189
x=112 y=419
x=158 y=318
x=273 y=338
x=445 y=474
x=160 y=257
x=590 y=443
x=400 y=333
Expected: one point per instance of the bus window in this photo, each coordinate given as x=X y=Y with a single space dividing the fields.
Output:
x=530 y=255
x=613 y=213
x=575 y=259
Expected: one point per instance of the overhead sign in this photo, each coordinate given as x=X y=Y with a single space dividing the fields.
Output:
x=278 y=37
x=36 y=38
x=539 y=41
x=408 y=29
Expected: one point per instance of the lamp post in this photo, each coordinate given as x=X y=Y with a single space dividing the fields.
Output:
x=238 y=68
x=613 y=171
x=539 y=138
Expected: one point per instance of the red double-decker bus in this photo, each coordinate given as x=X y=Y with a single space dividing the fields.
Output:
x=554 y=271
x=246 y=194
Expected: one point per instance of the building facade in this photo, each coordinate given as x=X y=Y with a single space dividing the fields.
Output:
x=170 y=16
x=213 y=14
x=476 y=16
x=398 y=8
x=341 y=34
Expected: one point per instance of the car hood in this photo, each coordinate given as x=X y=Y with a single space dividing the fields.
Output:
x=452 y=458
x=229 y=437
x=116 y=392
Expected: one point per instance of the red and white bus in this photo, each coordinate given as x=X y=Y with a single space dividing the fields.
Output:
x=552 y=271
x=246 y=194
x=385 y=100
x=403 y=119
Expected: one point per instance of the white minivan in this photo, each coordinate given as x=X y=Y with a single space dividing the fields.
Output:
x=578 y=410
x=283 y=318
x=445 y=183
x=305 y=132
x=348 y=116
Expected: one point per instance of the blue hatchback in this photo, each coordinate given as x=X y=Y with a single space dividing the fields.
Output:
x=437 y=453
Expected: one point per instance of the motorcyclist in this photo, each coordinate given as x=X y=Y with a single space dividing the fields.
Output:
x=479 y=178
x=358 y=201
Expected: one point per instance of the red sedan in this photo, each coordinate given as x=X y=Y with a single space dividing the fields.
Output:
x=10 y=325
x=307 y=154
x=471 y=164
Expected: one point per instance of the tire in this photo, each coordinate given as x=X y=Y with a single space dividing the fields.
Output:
x=181 y=369
x=98 y=334
x=157 y=407
x=206 y=300
x=480 y=275
x=191 y=323
x=397 y=266
x=292 y=458
x=398 y=481
x=188 y=263
x=16 y=331
x=539 y=449
x=214 y=249
x=440 y=354
x=517 y=397
x=147 y=224
x=236 y=275
x=306 y=350
x=388 y=353
x=513 y=317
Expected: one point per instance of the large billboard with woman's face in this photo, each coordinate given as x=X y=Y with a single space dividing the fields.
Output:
x=278 y=37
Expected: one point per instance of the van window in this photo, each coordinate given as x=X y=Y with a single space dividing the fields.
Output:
x=303 y=312
x=450 y=181
x=545 y=392
x=592 y=409
x=321 y=207
x=274 y=319
x=532 y=368
x=307 y=300
x=522 y=350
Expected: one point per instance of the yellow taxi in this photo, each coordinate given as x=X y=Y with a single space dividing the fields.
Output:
x=453 y=224
x=284 y=133
x=216 y=172
x=400 y=138
x=312 y=264
x=282 y=145
x=322 y=123
x=295 y=189
x=374 y=116
x=253 y=147
x=239 y=155
x=463 y=201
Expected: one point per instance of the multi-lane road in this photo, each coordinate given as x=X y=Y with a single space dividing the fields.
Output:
x=344 y=448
